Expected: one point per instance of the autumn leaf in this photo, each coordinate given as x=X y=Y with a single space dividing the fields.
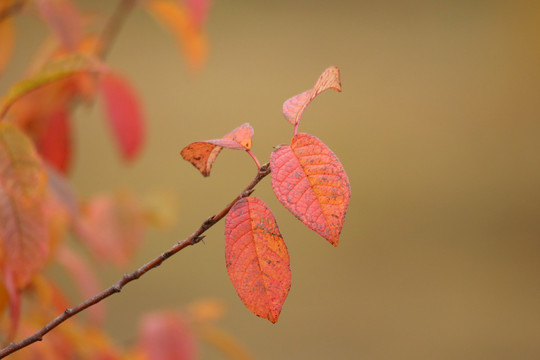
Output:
x=294 y=107
x=185 y=26
x=23 y=235
x=257 y=258
x=7 y=36
x=310 y=182
x=54 y=141
x=112 y=227
x=64 y=19
x=198 y=10
x=124 y=114
x=202 y=154
x=167 y=336
x=53 y=71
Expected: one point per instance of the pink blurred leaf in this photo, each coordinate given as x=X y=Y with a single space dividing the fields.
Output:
x=112 y=227
x=124 y=114
x=198 y=9
x=294 y=107
x=84 y=279
x=64 y=19
x=202 y=154
x=167 y=336
x=14 y=299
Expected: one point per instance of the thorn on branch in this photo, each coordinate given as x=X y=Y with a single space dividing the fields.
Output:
x=198 y=239
x=206 y=224
x=247 y=193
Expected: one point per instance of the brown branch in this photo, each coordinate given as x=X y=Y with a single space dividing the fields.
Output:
x=113 y=26
x=193 y=239
x=11 y=9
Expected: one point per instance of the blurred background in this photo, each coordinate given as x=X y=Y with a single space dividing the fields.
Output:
x=438 y=128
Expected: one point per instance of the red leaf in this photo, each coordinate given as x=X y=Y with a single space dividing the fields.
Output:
x=202 y=154
x=64 y=19
x=167 y=336
x=54 y=142
x=309 y=180
x=124 y=114
x=257 y=258
x=294 y=107
x=7 y=36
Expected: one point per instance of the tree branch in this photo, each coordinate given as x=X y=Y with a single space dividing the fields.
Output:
x=113 y=26
x=193 y=239
x=11 y=9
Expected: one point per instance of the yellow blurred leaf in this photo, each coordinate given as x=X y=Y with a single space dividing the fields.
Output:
x=185 y=28
x=54 y=70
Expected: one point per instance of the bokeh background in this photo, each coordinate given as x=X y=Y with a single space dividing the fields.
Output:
x=438 y=127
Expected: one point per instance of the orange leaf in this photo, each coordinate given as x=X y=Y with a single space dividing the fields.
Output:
x=310 y=182
x=294 y=107
x=167 y=336
x=24 y=241
x=184 y=27
x=7 y=35
x=124 y=114
x=202 y=154
x=257 y=258
x=64 y=19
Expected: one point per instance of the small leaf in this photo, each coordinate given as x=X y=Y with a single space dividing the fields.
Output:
x=64 y=19
x=167 y=336
x=202 y=154
x=310 y=182
x=294 y=107
x=185 y=27
x=124 y=114
x=7 y=36
x=257 y=258
x=54 y=142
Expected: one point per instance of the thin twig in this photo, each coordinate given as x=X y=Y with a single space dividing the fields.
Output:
x=193 y=239
x=113 y=26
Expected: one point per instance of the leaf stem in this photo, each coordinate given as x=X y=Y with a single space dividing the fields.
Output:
x=254 y=159
x=193 y=239
x=296 y=127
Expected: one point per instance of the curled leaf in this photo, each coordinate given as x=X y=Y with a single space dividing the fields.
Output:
x=257 y=258
x=124 y=114
x=202 y=154
x=51 y=72
x=294 y=107
x=310 y=182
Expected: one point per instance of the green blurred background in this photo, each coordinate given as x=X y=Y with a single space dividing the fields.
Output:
x=438 y=127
